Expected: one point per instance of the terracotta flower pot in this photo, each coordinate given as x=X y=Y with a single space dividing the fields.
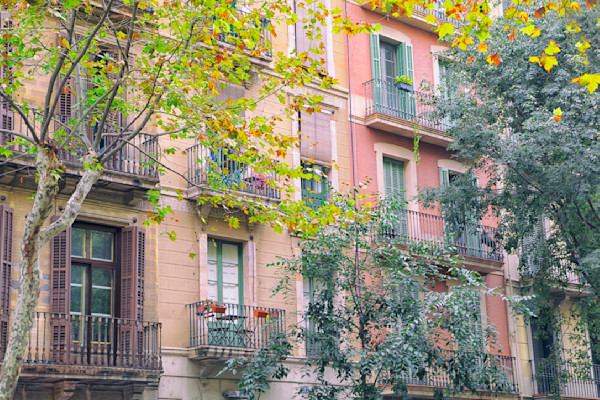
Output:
x=261 y=313
x=218 y=309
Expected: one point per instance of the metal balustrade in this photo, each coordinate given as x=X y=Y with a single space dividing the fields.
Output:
x=506 y=381
x=469 y=239
x=385 y=98
x=552 y=377
x=135 y=158
x=214 y=168
x=233 y=325
x=233 y=37
x=90 y=341
x=313 y=199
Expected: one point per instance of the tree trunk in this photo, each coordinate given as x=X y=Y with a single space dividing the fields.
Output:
x=29 y=285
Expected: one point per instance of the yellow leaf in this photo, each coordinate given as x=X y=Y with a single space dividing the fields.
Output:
x=534 y=59
x=64 y=42
x=548 y=62
x=552 y=48
x=483 y=48
x=557 y=111
x=431 y=19
x=445 y=29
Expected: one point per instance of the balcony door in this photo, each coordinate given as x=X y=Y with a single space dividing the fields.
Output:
x=225 y=288
x=395 y=187
x=93 y=270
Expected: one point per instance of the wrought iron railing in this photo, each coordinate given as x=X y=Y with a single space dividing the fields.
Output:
x=438 y=12
x=137 y=157
x=264 y=43
x=313 y=199
x=505 y=379
x=233 y=325
x=566 y=379
x=385 y=98
x=214 y=168
x=90 y=341
x=468 y=239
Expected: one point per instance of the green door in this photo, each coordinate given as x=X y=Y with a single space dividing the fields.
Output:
x=395 y=187
x=225 y=288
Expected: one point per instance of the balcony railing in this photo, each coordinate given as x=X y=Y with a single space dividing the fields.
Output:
x=233 y=325
x=507 y=381
x=469 y=239
x=313 y=199
x=264 y=41
x=89 y=341
x=385 y=98
x=565 y=379
x=135 y=158
x=214 y=168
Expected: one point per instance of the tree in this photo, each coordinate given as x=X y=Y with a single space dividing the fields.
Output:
x=135 y=75
x=535 y=134
x=374 y=320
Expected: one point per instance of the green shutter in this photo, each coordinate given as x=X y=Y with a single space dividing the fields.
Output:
x=375 y=57
x=376 y=73
x=393 y=171
x=444 y=177
x=404 y=58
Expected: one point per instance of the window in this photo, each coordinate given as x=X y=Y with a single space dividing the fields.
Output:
x=309 y=290
x=546 y=368
x=97 y=292
x=395 y=187
x=6 y=111
x=468 y=235
x=225 y=272
x=315 y=191
x=388 y=62
x=93 y=270
x=316 y=150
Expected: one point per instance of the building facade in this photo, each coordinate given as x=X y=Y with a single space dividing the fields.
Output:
x=127 y=313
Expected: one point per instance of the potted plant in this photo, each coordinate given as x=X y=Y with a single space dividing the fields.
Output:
x=261 y=313
x=218 y=308
x=404 y=83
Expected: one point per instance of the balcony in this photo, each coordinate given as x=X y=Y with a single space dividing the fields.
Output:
x=471 y=240
x=552 y=378
x=508 y=381
x=397 y=111
x=210 y=168
x=226 y=326
x=233 y=37
x=119 y=349
x=418 y=17
x=135 y=159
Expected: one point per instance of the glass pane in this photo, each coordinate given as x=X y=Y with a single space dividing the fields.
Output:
x=102 y=292
x=77 y=242
x=101 y=302
x=213 y=293
x=230 y=253
x=231 y=293
x=102 y=277
x=230 y=273
x=77 y=274
x=76 y=299
x=102 y=245
x=212 y=251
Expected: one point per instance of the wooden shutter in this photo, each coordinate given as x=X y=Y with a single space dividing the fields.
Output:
x=60 y=295
x=133 y=249
x=6 y=230
x=316 y=136
x=393 y=174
